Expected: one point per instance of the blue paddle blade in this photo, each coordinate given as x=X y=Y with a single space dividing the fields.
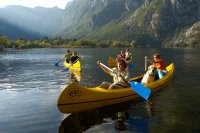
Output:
x=65 y=69
x=131 y=65
x=56 y=64
x=140 y=89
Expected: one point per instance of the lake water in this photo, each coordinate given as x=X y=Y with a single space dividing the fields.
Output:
x=30 y=85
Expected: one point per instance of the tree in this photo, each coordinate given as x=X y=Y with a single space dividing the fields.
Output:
x=3 y=41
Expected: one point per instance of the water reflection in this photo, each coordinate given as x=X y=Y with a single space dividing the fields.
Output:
x=114 y=118
x=152 y=107
x=122 y=116
x=75 y=76
x=89 y=121
x=132 y=116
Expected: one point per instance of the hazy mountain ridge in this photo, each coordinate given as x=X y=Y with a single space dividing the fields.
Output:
x=44 y=21
x=14 y=32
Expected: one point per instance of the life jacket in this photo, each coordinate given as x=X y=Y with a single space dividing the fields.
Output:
x=73 y=59
x=160 y=65
x=122 y=56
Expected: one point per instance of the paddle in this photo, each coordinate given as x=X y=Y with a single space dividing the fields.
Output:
x=131 y=65
x=67 y=68
x=136 y=86
x=140 y=89
x=145 y=63
x=56 y=64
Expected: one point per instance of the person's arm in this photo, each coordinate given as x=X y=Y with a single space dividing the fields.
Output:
x=103 y=68
x=149 y=60
x=125 y=76
x=64 y=58
x=78 y=58
x=124 y=79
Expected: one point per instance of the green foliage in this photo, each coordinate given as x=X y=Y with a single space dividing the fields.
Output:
x=59 y=42
x=21 y=43
x=3 y=40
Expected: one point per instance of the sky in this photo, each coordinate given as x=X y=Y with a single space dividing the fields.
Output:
x=33 y=3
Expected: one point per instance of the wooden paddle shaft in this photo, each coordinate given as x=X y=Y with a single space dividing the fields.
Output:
x=145 y=67
x=106 y=67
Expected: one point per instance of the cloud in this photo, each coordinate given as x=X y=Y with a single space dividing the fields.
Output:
x=33 y=3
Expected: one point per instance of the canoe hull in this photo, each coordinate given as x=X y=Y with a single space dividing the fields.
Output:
x=75 y=67
x=76 y=75
x=75 y=98
x=102 y=97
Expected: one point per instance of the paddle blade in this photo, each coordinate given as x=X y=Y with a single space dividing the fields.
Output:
x=56 y=64
x=65 y=70
x=140 y=89
x=131 y=65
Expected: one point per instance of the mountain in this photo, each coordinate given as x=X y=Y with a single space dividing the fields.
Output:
x=186 y=37
x=153 y=23
x=147 y=21
x=44 y=21
x=14 y=32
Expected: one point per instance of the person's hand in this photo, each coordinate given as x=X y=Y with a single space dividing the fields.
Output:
x=98 y=62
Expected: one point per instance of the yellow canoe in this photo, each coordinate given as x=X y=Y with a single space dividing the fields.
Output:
x=76 y=75
x=76 y=66
x=75 y=98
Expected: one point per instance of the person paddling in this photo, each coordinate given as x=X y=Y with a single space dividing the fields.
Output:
x=121 y=56
x=128 y=56
x=120 y=75
x=74 y=58
x=159 y=64
x=67 y=56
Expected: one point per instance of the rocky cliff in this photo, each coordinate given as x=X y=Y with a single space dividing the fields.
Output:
x=147 y=21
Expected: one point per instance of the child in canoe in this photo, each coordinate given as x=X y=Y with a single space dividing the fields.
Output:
x=67 y=56
x=74 y=58
x=128 y=56
x=120 y=75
